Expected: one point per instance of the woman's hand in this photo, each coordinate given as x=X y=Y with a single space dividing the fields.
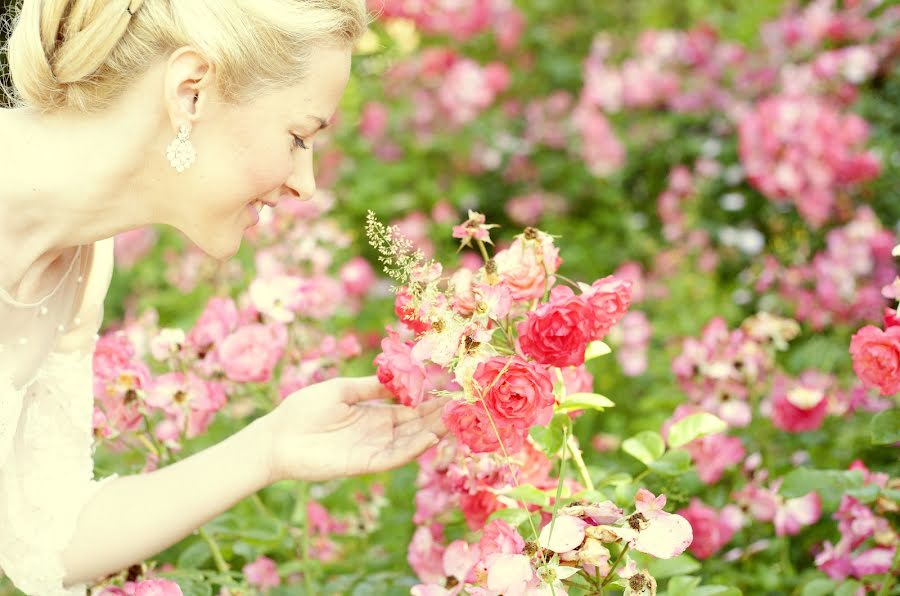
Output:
x=342 y=428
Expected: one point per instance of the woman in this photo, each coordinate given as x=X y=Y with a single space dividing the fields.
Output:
x=130 y=113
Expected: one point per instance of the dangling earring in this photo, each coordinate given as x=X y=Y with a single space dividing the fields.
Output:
x=181 y=152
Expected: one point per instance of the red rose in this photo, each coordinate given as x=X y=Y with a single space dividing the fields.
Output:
x=521 y=397
x=876 y=358
x=557 y=333
x=407 y=314
x=471 y=426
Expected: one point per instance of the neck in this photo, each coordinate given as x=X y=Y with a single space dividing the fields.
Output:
x=71 y=178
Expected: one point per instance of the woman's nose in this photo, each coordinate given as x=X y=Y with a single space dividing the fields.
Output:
x=301 y=185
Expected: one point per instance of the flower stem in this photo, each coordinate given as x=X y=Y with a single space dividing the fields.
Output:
x=615 y=564
x=481 y=247
x=298 y=516
x=221 y=564
x=572 y=443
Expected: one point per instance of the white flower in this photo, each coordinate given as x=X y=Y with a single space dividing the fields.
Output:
x=567 y=534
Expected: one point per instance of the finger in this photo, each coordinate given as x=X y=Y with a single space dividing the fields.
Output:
x=403 y=414
x=403 y=450
x=432 y=422
x=358 y=389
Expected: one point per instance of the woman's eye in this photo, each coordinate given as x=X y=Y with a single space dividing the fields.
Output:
x=298 y=142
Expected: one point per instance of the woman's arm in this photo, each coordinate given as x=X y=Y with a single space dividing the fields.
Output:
x=134 y=517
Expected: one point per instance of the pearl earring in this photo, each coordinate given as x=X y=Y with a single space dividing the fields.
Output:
x=181 y=152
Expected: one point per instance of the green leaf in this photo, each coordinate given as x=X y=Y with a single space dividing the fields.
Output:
x=885 y=427
x=529 y=494
x=683 y=564
x=818 y=587
x=619 y=478
x=646 y=446
x=585 y=401
x=695 y=426
x=548 y=438
x=673 y=463
x=848 y=588
x=716 y=591
x=683 y=585
x=194 y=555
x=865 y=494
x=512 y=515
x=595 y=349
x=190 y=587
x=830 y=484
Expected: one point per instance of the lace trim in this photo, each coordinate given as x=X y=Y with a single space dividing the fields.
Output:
x=47 y=483
x=13 y=302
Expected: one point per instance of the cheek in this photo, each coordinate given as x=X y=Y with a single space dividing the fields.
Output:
x=266 y=175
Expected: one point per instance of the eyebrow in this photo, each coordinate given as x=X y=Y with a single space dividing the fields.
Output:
x=322 y=122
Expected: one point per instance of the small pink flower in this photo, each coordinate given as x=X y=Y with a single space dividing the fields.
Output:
x=426 y=552
x=219 y=319
x=473 y=228
x=712 y=530
x=794 y=514
x=262 y=573
x=357 y=276
x=499 y=537
x=251 y=353
x=405 y=376
x=157 y=587
x=508 y=574
x=652 y=531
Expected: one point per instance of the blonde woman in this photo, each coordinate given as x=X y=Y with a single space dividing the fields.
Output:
x=128 y=113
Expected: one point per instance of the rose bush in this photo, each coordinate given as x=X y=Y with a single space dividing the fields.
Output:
x=732 y=165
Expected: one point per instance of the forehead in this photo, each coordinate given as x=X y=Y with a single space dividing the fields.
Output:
x=318 y=93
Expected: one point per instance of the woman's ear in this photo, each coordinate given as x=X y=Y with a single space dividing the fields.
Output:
x=189 y=85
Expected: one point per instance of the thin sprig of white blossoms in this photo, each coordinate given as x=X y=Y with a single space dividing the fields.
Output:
x=395 y=251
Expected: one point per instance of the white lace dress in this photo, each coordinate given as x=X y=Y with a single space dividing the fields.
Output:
x=46 y=411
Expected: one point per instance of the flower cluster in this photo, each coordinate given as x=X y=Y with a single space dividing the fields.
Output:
x=721 y=369
x=801 y=149
x=867 y=543
x=843 y=282
x=578 y=538
x=515 y=342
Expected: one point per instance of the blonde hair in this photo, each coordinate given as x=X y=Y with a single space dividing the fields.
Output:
x=83 y=54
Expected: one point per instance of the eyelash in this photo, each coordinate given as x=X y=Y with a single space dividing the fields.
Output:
x=298 y=142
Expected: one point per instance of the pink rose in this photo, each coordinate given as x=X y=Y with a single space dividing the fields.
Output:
x=876 y=358
x=157 y=587
x=403 y=375
x=471 y=426
x=557 y=333
x=478 y=507
x=609 y=298
x=357 y=276
x=527 y=266
x=710 y=533
x=219 y=318
x=251 y=353
x=521 y=397
x=499 y=537
x=262 y=573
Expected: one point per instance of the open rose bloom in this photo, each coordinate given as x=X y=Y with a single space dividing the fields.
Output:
x=507 y=342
